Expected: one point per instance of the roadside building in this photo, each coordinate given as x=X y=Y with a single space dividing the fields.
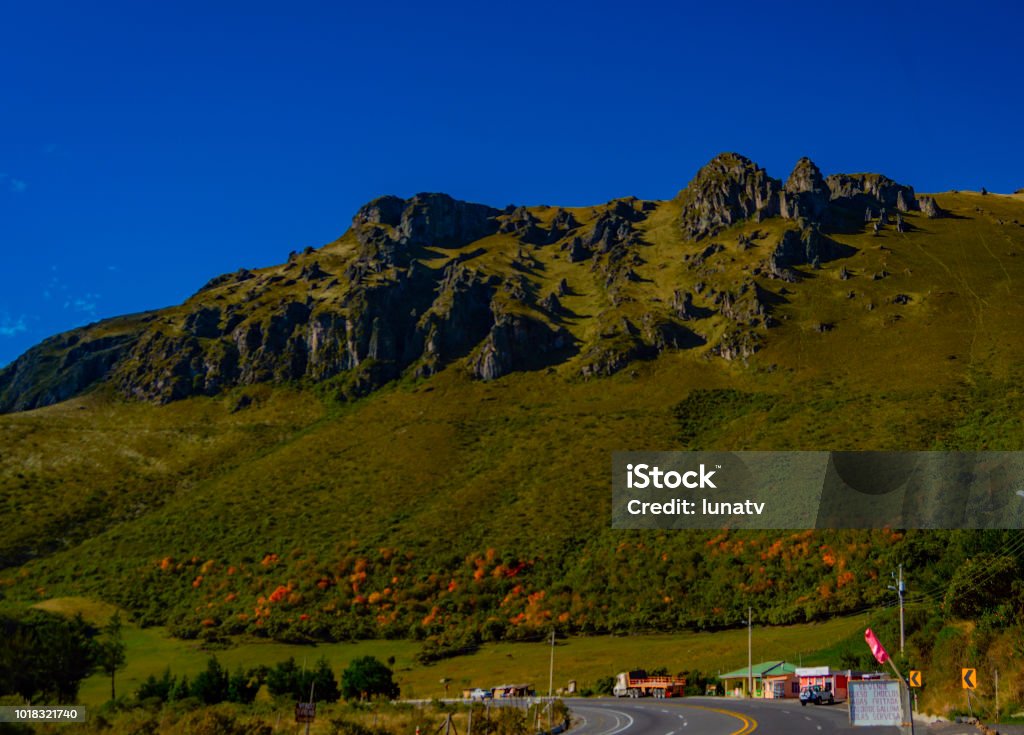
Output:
x=509 y=691
x=832 y=680
x=765 y=675
x=782 y=685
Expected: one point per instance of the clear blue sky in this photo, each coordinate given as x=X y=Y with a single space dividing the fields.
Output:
x=145 y=147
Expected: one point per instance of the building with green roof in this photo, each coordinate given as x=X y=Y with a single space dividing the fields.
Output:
x=736 y=682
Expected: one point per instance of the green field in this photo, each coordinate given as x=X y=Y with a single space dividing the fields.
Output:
x=582 y=658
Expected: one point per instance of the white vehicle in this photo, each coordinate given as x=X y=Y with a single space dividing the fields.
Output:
x=479 y=695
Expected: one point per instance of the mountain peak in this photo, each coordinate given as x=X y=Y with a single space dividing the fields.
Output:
x=726 y=190
x=806 y=176
x=425 y=219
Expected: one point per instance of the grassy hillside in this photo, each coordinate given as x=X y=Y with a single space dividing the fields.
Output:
x=447 y=499
x=461 y=511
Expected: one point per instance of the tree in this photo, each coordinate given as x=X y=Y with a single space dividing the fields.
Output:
x=44 y=656
x=325 y=685
x=110 y=651
x=285 y=679
x=242 y=686
x=211 y=685
x=368 y=677
x=181 y=689
x=153 y=688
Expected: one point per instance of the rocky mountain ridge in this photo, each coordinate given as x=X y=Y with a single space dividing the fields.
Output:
x=419 y=284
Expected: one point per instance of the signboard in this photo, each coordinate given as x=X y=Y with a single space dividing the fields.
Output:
x=876 y=702
x=914 y=679
x=969 y=678
x=305 y=711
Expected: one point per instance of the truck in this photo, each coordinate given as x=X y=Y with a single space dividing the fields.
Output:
x=639 y=683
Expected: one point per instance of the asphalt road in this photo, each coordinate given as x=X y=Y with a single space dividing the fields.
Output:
x=711 y=716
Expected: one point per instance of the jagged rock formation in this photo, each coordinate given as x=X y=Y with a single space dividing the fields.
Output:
x=805 y=194
x=524 y=225
x=420 y=284
x=807 y=246
x=731 y=189
x=871 y=187
x=929 y=207
x=516 y=342
x=727 y=190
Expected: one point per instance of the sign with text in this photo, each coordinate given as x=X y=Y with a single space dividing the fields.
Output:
x=305 y=712
x=876 y=702
x=783 y=490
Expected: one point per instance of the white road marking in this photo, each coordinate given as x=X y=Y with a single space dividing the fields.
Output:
x=617 y=730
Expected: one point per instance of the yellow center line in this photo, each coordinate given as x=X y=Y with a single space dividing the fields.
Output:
x=749 y=723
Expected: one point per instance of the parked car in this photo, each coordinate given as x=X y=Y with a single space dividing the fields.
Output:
x=816 y=695
x=480 y=694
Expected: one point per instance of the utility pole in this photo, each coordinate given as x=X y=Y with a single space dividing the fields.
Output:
x=997 y=696
x=900 y=589
x=750 y=652
x=551 y=678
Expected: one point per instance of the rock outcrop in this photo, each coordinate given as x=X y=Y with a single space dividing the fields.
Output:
x=66 y=365
x=881 y=191
x=516 y=342
x=727 y=190
x=805 y=194
x=929 y=207
x=418 y=285
x=807 y=246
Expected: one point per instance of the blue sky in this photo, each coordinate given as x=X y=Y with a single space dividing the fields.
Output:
x=146 y=147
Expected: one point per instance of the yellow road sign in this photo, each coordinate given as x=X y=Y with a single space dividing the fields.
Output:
x=969 y=678
x=915 y=678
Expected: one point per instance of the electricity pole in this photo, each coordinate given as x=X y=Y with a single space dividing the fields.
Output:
x=750 y=653
x=900 y=589
x=997 y=696
x=551 y=678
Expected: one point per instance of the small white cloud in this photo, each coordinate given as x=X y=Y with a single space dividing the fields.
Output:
x=85 y=304
x=11 y=326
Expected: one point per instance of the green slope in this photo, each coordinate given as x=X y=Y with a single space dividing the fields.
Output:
x=463 y=509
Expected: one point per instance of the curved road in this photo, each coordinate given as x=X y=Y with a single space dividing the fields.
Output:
x=711 y=716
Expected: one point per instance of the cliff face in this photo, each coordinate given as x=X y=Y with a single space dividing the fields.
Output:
x=66 y=365
x=419 y=284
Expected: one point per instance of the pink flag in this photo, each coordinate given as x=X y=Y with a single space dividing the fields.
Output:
x=876 y=648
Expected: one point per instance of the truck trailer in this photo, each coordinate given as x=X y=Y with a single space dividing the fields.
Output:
x=639 y=684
